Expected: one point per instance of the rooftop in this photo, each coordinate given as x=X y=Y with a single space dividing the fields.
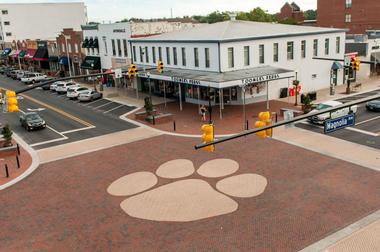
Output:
x=237 y=30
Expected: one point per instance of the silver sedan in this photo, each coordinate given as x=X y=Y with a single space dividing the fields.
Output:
x=89 y=95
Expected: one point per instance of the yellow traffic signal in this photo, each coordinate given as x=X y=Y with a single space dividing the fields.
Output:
x=208 y=136
x=357 y=65
x=160 y=66
x=12 y=103
x=132 y=71
x=264 y=120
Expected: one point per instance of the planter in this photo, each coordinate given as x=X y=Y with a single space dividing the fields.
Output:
x=307 y=108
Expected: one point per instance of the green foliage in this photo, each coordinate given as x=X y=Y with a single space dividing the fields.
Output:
x=310 y=15
x=216 y=16
x=148 y=105
x=288 y=21
x=7 y=133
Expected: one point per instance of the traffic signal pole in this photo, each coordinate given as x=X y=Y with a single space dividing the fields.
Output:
x=296 y=119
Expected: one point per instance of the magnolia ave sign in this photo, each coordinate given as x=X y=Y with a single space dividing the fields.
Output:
x=339 y=123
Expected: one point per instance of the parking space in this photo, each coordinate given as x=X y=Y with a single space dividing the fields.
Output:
x=367 y=124
x=67 y=120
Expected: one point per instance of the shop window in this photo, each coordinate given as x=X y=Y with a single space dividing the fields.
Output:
x=234 y=95
x=231 y=57
x=207 y=57
x=196 y=57
x=183 y=56
x=303 y=48
x=275 y=52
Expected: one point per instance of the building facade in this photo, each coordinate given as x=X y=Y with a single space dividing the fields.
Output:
x=39 y=20
x=291 y=12
x=356 y=15
x=69 y=44
x=239 y=60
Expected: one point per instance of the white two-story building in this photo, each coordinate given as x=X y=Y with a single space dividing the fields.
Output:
x=239 y=59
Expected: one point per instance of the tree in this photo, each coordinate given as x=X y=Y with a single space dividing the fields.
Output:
x=259 y=15
x=310 y=15
x=7 y=135
x=217 y=16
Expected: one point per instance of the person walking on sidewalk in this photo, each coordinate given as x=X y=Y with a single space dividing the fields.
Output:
x=203 y=113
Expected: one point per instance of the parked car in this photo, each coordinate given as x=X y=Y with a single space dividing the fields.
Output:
x=31 y=121
x=13 y=74
x=9 y=71
x=90 y=95
x=373 y=105
x=73 y=92
x=320 y=119
x=53 y=86
x=63 y=86
x=21 y=74
x=33 y=78
x=3 y=69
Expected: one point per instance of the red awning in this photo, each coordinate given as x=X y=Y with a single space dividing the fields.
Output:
x=30 y=54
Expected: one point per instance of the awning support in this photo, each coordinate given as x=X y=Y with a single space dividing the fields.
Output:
x=267 y=95
x=221 y=102
x=180 y=97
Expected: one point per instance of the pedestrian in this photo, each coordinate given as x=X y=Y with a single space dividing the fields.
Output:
x=203 y=113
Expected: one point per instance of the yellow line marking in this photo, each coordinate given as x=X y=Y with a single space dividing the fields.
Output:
x=58 y=111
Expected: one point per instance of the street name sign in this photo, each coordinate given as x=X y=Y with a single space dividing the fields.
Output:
x=339 y=123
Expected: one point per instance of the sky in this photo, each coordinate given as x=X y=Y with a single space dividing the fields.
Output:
x=115 y=10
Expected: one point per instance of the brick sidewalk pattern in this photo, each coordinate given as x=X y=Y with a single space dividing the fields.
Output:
x=64 y=206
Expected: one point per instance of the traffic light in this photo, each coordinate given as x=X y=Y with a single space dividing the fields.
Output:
x=208 y=136
x=160 y=66
x=264 y=120
x=132 y=71
x=11 y=101
x=355 y=64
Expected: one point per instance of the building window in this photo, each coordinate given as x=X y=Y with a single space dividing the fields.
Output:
x=327 y=45
x=119 y=47
x=230 y=52
x=134 y=53
x=303 y=48
x=125 y=47
x=168 y=55
x=8 y=34
x=154 y=54
x=113 y=47
x=246 y=56
x=146 y=55
x=315 y=48
x=159 y=53
x=290 y=46
x=348 y=4
x=183 y=49
x=261 y=54
x=348 y=18
x=196 y=57
x=4 y=12
x=207 y=57
x=337 y=45
x=175 y=56
x=63 y=47
x=7 y=23
x=275 y=52
x=76 y=47
x=141 y=54
x=105 y=45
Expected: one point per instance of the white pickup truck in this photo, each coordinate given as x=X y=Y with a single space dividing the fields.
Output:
x=320 y=119
x=33 y=78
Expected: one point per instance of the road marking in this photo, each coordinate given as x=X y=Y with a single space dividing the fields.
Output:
x=363 y=132
x=113 y=109
x=59 y=111
x=103 y=105
x=76 y=130
x=93 y=102
x=49 y=141
x=369 y=120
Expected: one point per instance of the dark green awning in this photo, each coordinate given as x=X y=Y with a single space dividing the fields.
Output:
x=22 y=54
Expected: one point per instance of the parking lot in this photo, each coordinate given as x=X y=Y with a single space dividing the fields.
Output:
x=67 y=120
x=367 y=127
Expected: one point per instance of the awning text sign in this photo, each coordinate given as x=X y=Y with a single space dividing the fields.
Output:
x=186 y=81
x=339 y=123
x=263 y=78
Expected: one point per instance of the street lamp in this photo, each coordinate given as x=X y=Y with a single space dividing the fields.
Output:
x=150 y=91
x=296 y=88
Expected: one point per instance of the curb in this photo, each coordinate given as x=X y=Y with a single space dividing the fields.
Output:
x=35 y=163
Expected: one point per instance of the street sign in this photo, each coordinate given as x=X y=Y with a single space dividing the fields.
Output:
x=339 y=123
x=117 y=73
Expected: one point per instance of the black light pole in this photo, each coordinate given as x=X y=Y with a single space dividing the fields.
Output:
x=209 y=106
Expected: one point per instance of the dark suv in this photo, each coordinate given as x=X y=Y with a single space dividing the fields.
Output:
x=31 y=121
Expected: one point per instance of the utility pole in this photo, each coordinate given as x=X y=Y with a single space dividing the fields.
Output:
x=67 y=53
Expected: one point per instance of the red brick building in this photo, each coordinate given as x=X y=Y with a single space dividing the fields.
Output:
x=355 y=15
x=73 y=40
x=291 y=11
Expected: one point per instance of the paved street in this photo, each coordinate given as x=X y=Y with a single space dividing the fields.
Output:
x=366 y=130
x=67 y=120
x=64 y=205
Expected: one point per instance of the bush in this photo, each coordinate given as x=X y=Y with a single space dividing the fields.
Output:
x=7 y=134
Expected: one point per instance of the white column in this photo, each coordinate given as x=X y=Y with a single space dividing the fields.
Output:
x=180 y=96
